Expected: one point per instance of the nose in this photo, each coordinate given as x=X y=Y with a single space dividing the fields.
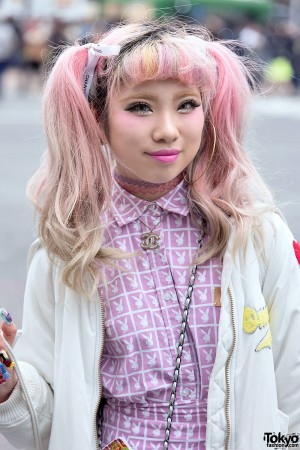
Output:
x=165 y=128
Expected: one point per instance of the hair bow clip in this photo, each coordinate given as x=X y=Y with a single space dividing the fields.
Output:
x=198 y=42
x=96 y=51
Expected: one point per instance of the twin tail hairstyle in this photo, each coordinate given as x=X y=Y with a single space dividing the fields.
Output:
x=72 y=188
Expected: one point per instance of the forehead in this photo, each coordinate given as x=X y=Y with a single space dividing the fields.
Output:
x=156 y=88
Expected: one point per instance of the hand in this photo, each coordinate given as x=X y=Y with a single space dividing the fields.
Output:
x=9 y=333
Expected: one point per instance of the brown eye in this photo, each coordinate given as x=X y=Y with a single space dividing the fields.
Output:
x=139 y=108
x=189 y=105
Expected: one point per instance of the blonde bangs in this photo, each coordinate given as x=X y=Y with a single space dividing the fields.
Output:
x=171 y=58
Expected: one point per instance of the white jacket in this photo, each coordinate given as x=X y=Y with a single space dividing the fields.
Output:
x=253 y=389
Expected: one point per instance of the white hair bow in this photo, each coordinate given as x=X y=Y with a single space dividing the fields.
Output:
x=95 y=51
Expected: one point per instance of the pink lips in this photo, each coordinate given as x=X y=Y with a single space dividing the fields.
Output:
x=166 y=155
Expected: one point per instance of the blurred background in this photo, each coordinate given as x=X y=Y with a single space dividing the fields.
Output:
x=31 y=29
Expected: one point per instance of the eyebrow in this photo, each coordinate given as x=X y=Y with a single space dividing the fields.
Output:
x=150 y=97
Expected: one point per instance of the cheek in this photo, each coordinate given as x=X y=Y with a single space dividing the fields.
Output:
x=193 y=126
x=124 y=123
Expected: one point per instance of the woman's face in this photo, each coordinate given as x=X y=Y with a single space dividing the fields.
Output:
x=155 y=129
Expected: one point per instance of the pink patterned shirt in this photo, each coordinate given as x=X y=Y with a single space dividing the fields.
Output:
x=143 y=313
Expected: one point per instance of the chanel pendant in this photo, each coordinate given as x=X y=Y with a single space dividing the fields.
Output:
x=149 y=241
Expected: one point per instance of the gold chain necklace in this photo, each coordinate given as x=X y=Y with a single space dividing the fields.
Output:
x=150 y=239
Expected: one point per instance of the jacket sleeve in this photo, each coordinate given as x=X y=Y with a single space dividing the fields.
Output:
x=281 y=290
x=26 y=417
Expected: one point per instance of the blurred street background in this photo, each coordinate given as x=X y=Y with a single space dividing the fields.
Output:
x=31 y=29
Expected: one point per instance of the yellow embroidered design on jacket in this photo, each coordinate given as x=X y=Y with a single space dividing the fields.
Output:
x=252 y=320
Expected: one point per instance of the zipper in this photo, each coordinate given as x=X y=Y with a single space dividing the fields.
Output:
x=99 y=376
x=227 y=366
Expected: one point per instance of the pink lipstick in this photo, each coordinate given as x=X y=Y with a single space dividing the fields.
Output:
x=165 y=155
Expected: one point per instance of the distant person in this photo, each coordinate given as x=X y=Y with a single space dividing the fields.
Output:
x=295 y=60
x=280 y=64
x=162 y=302
x=252 y=35
x=58 y=36
x=9 y=47
x=36 y=34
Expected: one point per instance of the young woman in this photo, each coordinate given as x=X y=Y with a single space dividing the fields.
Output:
x=162 y=303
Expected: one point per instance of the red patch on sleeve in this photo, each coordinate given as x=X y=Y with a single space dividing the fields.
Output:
x=297 y=250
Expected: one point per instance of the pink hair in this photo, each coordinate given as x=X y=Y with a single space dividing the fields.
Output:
x=73 y=186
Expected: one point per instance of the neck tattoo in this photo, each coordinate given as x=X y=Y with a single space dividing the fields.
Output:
x=145 y=190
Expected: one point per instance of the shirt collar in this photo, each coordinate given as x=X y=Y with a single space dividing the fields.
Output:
x=126 y=207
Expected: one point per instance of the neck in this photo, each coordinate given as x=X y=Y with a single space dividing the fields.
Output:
x=145 y=190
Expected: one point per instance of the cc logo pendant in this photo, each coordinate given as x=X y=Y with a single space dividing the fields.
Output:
x=149 y=241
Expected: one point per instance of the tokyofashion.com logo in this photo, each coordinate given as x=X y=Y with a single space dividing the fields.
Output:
x=280 y=440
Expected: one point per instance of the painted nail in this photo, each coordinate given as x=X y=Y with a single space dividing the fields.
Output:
x=4 y=375
x=4 y=358
x=5 y=316
x=3 y=354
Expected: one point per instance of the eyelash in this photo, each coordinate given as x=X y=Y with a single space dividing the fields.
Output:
x=192 y=102
x=136 y=106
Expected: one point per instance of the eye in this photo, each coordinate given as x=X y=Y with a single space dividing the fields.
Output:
x=189 y=105
x=140 y=108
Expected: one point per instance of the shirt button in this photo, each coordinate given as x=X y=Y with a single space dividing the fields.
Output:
x=152 y=206
x=167 y=296
x=185 y=392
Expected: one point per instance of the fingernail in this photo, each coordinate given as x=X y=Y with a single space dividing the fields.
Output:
x=4 y=358
x=4 y=375
x=5 y=316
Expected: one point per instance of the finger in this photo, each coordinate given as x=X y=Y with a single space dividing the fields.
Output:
x=5 y=316
x=9 y=332
x=4 y=375
x=6 y=364
x=8 y=377
x=5 y=359
x=8 y=328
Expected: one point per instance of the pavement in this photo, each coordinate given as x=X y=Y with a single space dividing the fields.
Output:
x=278 y=106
